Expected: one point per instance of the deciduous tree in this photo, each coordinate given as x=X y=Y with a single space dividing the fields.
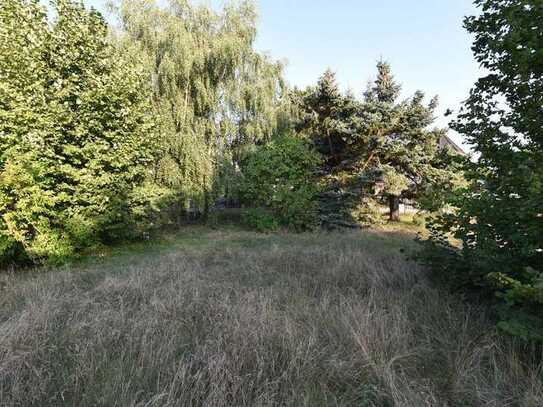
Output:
x=75 y=135
x=214 y=95
x=499 y=218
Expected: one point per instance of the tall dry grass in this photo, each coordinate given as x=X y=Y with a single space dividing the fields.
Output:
x=309 y=320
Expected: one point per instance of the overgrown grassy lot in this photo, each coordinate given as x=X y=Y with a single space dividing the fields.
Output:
x=232 y=318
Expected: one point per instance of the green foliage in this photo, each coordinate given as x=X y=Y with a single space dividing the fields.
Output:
x=213 y=94
x=419 y=220
x=153 y=206
x=444 y=180
x=261 y=220
x=498 y=217
x=379 y=141
x=280 y=176
x=106 y=137
x=227 y=182
x=394 y=181
x=402 y=150
x=75 y=137
x=368 y=213
x=328 y=119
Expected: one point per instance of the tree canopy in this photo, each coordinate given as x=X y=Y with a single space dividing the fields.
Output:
x=214 y=95
x=379 y=140
x=76 y=137
x=499 y=218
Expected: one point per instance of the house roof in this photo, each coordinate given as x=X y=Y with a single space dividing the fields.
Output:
x=445 y=141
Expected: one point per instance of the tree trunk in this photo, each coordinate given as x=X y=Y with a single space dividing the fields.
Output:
x=205 y=215
x=394 y=205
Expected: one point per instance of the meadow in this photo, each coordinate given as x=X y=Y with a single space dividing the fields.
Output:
x=227 y=317
x=127 y=138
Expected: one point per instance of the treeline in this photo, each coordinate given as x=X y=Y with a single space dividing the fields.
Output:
x=108 y=134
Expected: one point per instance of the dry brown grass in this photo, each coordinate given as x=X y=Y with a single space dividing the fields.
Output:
x=239 y=319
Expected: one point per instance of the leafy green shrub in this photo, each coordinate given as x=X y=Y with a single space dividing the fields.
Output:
x=280 y=176
x=260 y=219
x=152 y=207
x=493 y=274
x=419 y=219
x=75 y=136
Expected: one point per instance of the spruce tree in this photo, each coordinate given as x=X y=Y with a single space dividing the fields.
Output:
x=385 y=89
x=327 y=118
x=379 y=141
x=401 y=152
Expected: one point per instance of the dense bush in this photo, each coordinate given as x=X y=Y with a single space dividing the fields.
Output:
x=280 y=176
x=498 y=218
x=260 y=219
x=75 y=138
